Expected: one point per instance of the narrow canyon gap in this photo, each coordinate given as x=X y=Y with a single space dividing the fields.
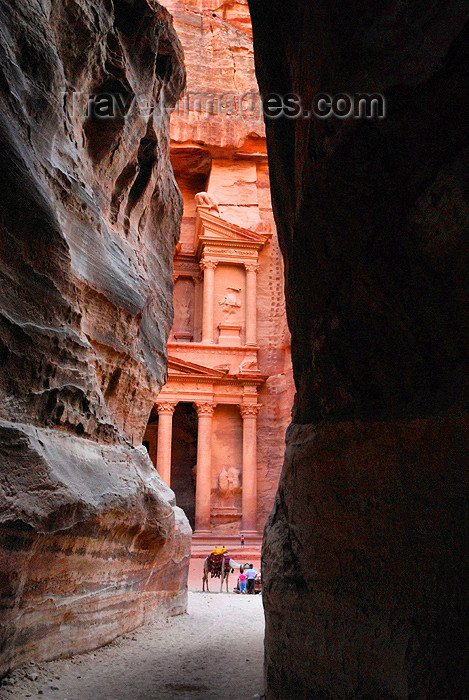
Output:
x=365 y=553
x=229 y=345
x=91 y=542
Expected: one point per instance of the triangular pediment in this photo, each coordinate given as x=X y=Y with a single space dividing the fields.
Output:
x=177 y=366
x=212 y=228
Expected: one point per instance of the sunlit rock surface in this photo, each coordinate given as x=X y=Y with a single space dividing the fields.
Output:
x=218 y=54
x=365 y=563
x=91 y=542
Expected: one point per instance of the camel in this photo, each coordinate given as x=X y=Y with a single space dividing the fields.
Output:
x=225 y=574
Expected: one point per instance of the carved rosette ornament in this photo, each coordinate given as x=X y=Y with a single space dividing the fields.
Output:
x=251 y=266
x=165 y=407
x=205 y=408
x=249 y=410
x=208 y=264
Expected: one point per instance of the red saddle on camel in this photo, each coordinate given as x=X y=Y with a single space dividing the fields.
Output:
x=215 y=564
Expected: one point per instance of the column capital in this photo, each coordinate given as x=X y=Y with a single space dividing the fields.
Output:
x=208 y=264
x=205 y=408
x=175 y=276
x=247 y=410
x=165 y=407
x=252 y=266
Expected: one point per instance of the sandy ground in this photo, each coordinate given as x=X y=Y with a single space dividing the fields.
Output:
x=215 y=652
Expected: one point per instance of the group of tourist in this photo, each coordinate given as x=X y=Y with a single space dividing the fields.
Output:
x=246 y=579
x=247 y=573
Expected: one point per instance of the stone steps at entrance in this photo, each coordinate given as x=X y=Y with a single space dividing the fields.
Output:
x=202 y=544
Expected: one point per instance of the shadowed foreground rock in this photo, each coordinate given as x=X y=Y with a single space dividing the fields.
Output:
x=365 y=558
x=91 y=542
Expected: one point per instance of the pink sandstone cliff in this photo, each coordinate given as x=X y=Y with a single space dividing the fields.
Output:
x=91 y=543
x=226 y=155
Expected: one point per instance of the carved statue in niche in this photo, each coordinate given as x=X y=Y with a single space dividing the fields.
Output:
x=228 y=484
x=183 y=307
x=204 y=199
x=230 y=302
x=186 y=312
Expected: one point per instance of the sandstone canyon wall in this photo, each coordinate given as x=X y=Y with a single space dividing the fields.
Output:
x=365 y=555
x=91 y=542
x=225 y=153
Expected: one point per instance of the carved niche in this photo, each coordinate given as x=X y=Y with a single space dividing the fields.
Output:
x=184 y=297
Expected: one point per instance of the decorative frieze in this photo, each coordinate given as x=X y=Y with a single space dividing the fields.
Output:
x=233 y=251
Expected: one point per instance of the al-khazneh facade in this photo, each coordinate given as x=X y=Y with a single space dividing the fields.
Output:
x=216 y=434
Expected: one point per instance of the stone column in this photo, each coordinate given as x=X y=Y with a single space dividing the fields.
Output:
x=204 y=467
x=208 y=267
x=251 y=303
x=165 y=432
x=249 y=498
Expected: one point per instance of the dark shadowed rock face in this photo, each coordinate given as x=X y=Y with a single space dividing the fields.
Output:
x=89 y=215
x=365 y=552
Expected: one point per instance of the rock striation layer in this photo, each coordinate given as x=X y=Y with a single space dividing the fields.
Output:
x=91 y=543
x=365 y=553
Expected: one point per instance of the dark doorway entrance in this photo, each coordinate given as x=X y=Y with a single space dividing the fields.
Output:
x=184 y=458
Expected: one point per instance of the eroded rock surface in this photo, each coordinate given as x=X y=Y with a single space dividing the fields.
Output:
x=364 y=559
x=91 y=541
x=218 y=54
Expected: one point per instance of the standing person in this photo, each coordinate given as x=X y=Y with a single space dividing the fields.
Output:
x=242 y=540
x=242 y=580
x=251 y=574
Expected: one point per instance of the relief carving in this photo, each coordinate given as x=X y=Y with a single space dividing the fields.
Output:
x=165 y=407
x=205 y=408
x=183 y=309
x=251 y=266
x=185 y=312
x=204 y=199
x=208 y=264
x=229 y=485
x=230 y=302
x=249 y=364
x=247 y=411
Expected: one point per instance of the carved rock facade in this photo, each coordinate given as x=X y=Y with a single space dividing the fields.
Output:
x=229 y=342
x=364 y=556
x=91 y=543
